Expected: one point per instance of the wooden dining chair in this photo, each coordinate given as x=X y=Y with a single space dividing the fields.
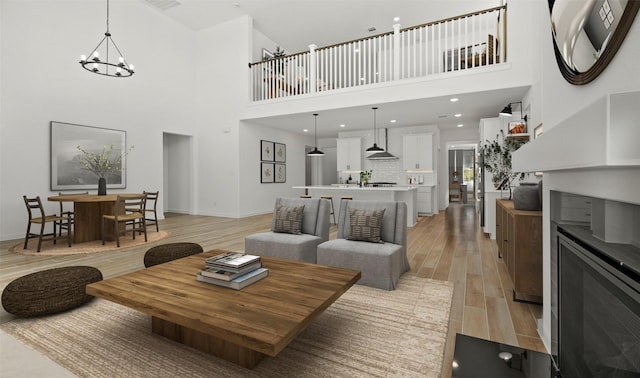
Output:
x=66 y=213
x=133 y=217
x=151 y=210
x=38 y=216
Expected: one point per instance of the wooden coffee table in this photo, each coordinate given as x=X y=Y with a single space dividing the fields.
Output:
x=241 y=326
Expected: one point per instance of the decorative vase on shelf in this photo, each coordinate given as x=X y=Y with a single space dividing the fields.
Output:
x=526 y=197
x=102 y=186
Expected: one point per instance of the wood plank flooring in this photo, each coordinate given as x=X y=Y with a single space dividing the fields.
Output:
x=447 y=246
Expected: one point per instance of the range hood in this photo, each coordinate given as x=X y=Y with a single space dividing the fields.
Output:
x=384 y=155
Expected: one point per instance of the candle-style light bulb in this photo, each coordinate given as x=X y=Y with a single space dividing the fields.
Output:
x=83 y=58
x=121 y=60
x=95 y=67
x=131 y=67
x=96 y=54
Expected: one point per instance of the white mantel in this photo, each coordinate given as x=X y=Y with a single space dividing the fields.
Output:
x=595 y=152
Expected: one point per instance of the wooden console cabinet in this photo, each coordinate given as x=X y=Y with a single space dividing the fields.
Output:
x=519 y=238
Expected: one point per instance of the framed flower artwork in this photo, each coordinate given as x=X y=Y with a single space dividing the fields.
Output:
x=266 y=173
x=68 y=141
x=280 y=151
x=280 y=172
x=266 y=150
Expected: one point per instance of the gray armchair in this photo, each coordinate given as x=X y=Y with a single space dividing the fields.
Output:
x=300 y=247
x=381 y=264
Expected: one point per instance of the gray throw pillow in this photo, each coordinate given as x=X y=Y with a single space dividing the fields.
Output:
x=365 y=225
x=289 y=219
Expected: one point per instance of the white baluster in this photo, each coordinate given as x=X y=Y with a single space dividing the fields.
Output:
x=396 y=51
x=312 y=68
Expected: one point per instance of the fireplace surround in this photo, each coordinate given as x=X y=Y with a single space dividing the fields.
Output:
x=591 y=164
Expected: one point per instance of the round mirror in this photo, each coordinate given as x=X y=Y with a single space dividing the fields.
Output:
x=588 y=33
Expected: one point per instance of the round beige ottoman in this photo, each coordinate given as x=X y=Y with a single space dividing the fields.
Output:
x=167 y=252
x=49 y=291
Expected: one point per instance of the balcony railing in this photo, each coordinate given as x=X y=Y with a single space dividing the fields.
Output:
x=454 y=44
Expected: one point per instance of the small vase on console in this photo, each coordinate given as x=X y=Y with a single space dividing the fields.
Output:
x=102 y=186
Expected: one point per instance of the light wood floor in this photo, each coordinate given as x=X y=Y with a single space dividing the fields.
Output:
x=447 y=246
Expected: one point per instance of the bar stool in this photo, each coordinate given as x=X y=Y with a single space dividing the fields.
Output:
x=330 y=198
x=344 y=198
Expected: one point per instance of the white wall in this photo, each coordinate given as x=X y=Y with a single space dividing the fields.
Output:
x=259 y=198
x=221 y=92
x=42 y=81
x=557 y=100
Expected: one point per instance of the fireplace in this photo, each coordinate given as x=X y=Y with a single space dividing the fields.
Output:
x=597 y=305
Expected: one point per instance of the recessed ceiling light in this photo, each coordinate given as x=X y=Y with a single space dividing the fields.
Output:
x=454 y=99
x=442 y=116
x=342 y=125
x=457 y=115
x=396 y=19
x=306 y=130
x=372 y=29
x=393 y=121
x=460 y=125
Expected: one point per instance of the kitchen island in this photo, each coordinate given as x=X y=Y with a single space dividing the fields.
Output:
x=406 y=194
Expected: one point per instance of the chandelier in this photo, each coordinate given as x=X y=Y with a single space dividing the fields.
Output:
x=103 y=66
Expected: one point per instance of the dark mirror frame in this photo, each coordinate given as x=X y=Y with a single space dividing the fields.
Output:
x=581 y=78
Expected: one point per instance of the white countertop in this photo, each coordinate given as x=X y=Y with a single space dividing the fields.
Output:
x=365 y=188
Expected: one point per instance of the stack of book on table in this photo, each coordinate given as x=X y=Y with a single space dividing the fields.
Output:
x=233 y=270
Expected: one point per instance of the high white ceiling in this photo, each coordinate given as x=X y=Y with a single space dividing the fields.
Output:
x=295 y=24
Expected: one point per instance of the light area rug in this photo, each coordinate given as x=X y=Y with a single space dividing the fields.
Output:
x=365 y=333
x=61 y=248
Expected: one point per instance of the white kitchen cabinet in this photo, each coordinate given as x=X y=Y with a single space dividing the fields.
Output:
x=349 y=154
x=418 y=152
x=425 y=200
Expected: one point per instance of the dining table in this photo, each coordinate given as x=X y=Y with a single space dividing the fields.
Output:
x=88 y=210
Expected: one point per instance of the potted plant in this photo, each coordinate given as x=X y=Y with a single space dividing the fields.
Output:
x=102 y=164
x=278 y=55
x=497 y=160
x=365 y=176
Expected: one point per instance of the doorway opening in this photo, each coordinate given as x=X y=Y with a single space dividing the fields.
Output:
x=462 y=177
x=177 y=169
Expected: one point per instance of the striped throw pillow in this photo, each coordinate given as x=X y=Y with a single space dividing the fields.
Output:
x=365 y=225
x=289 y=219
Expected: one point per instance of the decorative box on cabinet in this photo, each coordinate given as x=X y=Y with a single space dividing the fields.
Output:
x=519 y=239
x=349 y=154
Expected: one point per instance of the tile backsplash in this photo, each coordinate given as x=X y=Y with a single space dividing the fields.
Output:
x=382 y=171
